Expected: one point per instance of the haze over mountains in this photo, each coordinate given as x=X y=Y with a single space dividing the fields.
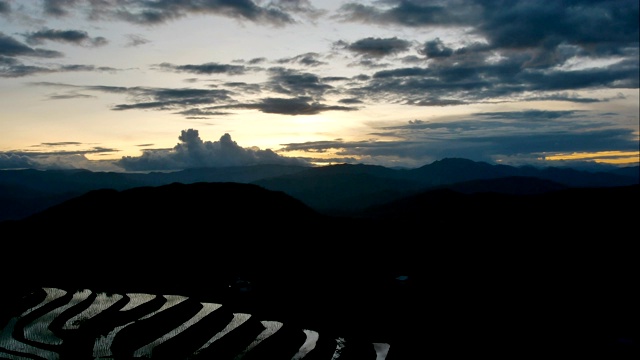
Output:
x=337 y=189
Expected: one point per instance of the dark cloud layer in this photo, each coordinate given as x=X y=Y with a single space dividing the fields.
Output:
x=12 y=47
x=205 y=69
x=376 y=47
x=277 y=13
x=5 y=8
x=75 y=37
x=153 y=98
x=13 y=53
x=295 y=83
x=288 y=106
x=195 y=101
x=166 y=99
x=309 y=59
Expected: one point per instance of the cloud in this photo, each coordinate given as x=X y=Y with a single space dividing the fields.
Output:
x=205 y=69
x=296 y=83
x=413 y=13
x=309 y=59
x=512 y=137
x=166 y=99
x=487 y=67
x=58 y=8
x=258 y=60
x=612 y=25
x=456 y=78
x=153 y=98
x=75 y=37
x=436 y=48
x=306 y=89
x=136 y=40
x=16 y=161
x=11 y=69
x=244 y=87
x=531 y=24
x=10 y=66
x=350 y=101
x=5 y=8
x=514 y=48
x=276 y=13
x=69 y=95
x=291 y=106
x=375 y=47
x=47 y=156
x=193 y=152
x=299 y=7
x=200 y=114
x=12 y=47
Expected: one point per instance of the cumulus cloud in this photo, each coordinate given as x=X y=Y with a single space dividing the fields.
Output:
x=193 y=152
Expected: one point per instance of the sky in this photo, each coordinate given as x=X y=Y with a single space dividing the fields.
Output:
x=162 y=85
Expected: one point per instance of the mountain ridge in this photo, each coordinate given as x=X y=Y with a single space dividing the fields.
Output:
x=334 y=189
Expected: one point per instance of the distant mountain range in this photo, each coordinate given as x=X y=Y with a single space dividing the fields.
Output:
x=336 y=189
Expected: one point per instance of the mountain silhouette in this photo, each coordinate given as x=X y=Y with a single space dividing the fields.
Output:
x=340 y=189
x=167 y=221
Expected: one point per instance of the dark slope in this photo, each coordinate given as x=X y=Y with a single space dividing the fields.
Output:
x=513 y=198
x=344 y=189
x=455 y=170
x=348 y=189
x=17 y=201
x=241 y=174
x=522 y=209
x=26 y=192
x=512 y=185
x=198 y=204
x=197 y=225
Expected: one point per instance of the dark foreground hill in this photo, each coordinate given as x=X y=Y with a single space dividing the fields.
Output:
x=444 y=271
